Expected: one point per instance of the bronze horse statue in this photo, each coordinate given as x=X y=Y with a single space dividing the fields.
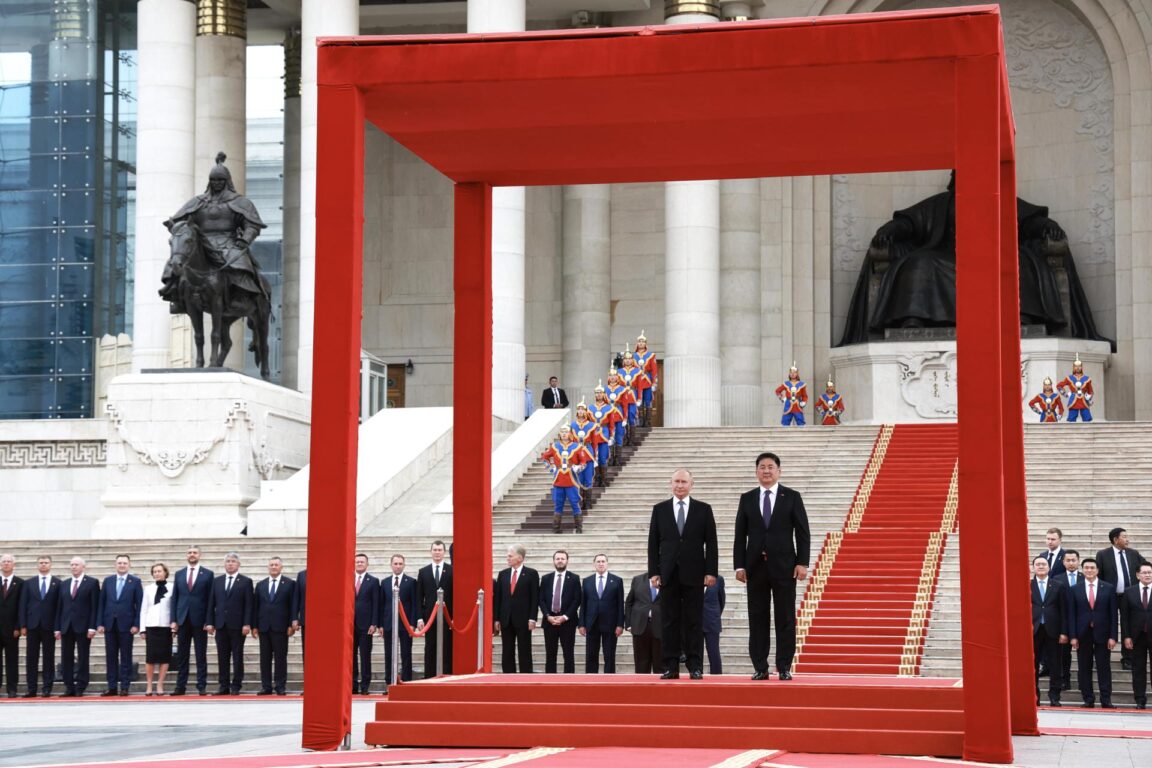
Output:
x=207 y=288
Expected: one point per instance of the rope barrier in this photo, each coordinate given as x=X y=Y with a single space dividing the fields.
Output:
x=427 y=625
x=468 y=625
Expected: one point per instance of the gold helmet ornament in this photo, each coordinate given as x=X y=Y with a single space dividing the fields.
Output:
x=1047 y=382
x=831 y=384
x=599 y=386
x=642 y=337
x=793 y=369
x=1076 y=363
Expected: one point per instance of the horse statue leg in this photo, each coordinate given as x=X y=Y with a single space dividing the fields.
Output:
x=263 y=313
x=197 y=318
x=219 y=331
x=225 y=338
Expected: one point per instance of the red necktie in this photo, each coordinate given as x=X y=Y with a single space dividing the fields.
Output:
x=358 y=584
x=513 y=589
x=75 y=586
x=1092 y=595
x=1145 y=600
x=190 y=582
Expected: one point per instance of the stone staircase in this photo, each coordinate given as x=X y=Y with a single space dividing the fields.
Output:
x=1084 y=479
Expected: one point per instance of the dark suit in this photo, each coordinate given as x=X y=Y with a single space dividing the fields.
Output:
x=601 y=614
x=229 y=612
x=682 y=560
x=190 y=614
x=10 y=631
x=564 y=634
x=1055 y=564
x=273 y=617
x=37 y=617
x=1066 y=579
x=1049 y=622
x=1106 y=562
x=408 y=601
x=76 y=616
x=426 y=601
x=1136 y=624
x=298 y=601
x=118 y=615
x=769 y=556
x=643 y=619
x=714 y=600
x=549 y=400
x=514 y=610
x=1092 y=627
x=366 y=609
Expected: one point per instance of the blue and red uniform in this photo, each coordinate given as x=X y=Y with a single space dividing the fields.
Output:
x=830 y=407
x=565 y=459
x=601 y=412
x=794 y=394
x=1048 y=405
x=586 y=433
x=1077 y=387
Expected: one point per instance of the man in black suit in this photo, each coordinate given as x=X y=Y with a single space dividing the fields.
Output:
x=771 y=553
x=714 y=600
x=682 y=561
x=1049 y=627
x=406 y=599
x=10 y=585
x=39 y=600
x=1092 y=626
x=366 y=589
x=77 y=614
x=1136 y=624
x=1118 y=564
x=230 y=622
x=191 y=586
x=298 y=601
x=119 y=622
x=601 y=616
x=516 y=594
x=642 y=618
x=275 y=599
x=1054 y=554
x=436 y=575
x=553 y=396
x=560 y=606
x=1069 y=577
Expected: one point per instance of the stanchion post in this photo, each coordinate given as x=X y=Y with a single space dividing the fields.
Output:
x=395 y=649
x=479 y=630
x=440 y=630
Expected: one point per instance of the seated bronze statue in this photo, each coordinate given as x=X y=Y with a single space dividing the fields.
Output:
x=908 y=279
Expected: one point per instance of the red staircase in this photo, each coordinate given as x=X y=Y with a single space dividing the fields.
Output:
x=867 y=605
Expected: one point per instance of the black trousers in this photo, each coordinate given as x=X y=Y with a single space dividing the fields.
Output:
x=118 y=657
x=558 y=638
x=405 y=656
x=1046 y=651
x=596 y=638
x=430 y=648
x=189 y=636
x=75 y=653
x=1092 y=652
x=41 y=642
x=648 y=653
x=230 y=659
x=273 y=660
x=10 y=653
x=361 y=660
x=1141 y=649
x=712 y=645
x=683 y=614
x=515 y=640
x=1066 y=663
x=780 y=596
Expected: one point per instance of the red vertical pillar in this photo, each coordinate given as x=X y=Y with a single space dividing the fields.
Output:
x=335 y=415
x=979 y=330
x=472 y=422
x=1021 y=673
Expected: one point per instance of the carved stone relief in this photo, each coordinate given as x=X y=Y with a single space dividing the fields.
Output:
x=21 y=454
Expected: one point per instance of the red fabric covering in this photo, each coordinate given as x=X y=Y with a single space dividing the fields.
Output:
x=806 y=96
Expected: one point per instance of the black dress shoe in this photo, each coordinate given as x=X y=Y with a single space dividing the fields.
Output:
x=221 y=692
x=1107 y=705
x=1055 y=703
x=761 y=675
x=696 y=674
x=109 y=692
x=13 y=695
x=281 y=693
x=1141 y=704
x=46 y=694
x=201 y=692
x=1088 y=705
x=29 y=695
x=1126 y=663
x=785 y=675
x=672 y=674
x=179 y=692
x=123 y=691
x=263 y=693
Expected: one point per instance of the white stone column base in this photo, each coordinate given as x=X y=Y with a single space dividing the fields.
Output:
x=740 y=405
x=691 y=391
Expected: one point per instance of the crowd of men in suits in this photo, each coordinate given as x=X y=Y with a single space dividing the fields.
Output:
x=1089 y=606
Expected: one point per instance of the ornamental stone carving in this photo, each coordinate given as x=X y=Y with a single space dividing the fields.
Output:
x=58 y=453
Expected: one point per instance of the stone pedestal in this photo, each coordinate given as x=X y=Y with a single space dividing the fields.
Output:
x=894 y=382
x=187 y=451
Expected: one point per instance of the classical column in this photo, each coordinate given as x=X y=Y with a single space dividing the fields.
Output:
x=587 y=287
x=740 y=320
x=318 y=18
x=165 y=129
x=691 y=379
x=290 y=308
x=508 y=365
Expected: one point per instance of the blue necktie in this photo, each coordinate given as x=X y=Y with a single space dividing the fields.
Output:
x=1041 y=585
x=43 y=586
x=119 y=587
x=272 y=591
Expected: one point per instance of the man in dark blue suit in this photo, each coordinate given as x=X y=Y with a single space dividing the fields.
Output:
x=1136 y=626
x=76 y=619
x=714 y=600
x=560 y=606
x=10 y=585
x=275 y=601
x=230 y=621
x=601 y=616
x=1092 y=626
x=407 y=586
x=119 y=621
x=1049 y=627
x=191 y=586
x=366 y=588
x=36 y=616
x=298 y=601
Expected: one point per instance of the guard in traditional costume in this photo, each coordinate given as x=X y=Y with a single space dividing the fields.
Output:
x=645 y=381
x=586 y=431
x=1077 y=388
x=793 y=393
x=620 y=396
x=628 y=374
x=830 y=406
x=565 y=459
x=601 y=412
x=1047 y=404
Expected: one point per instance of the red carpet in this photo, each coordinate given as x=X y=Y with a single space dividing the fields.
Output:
x=867 y=605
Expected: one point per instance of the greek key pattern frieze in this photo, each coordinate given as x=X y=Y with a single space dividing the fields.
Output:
x=32 y=454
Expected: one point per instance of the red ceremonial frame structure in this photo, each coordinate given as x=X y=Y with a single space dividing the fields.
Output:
x=841 y=94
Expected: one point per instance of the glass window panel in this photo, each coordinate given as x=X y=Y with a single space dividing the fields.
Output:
x=26 y=397
x=15 y=168
x=78 y=171
x=72 y=98
x=27 y=357
x=78 y=134
x=74 y=356
x=28 y=320
x=78 y=245
x=34 y=246
x=75 y=318
x=77 y=208
x=27 y=282
x=74 y=397
x=27 y=209
x=15 y=98
x=76 y=281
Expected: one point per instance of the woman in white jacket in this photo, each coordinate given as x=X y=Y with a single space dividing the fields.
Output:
x=155 y=626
